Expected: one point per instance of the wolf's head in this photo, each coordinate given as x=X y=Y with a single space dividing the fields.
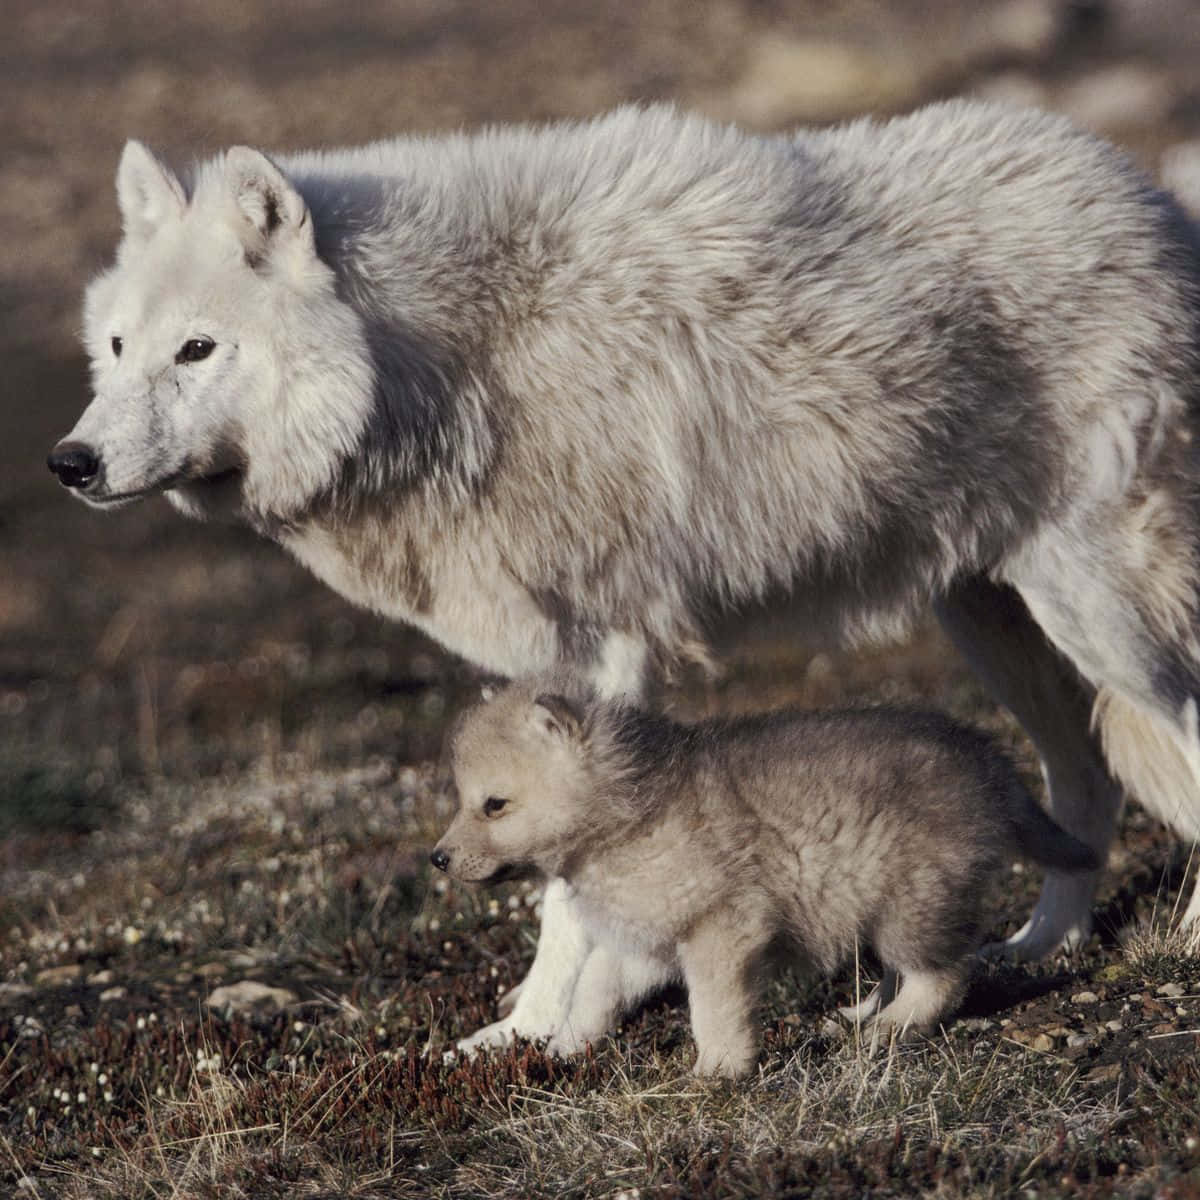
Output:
x=526 y=789
x=227 y=372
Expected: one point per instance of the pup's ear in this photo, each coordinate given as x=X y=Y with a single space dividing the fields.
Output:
x=148 y=193
x=557 y=715
x=272 y=214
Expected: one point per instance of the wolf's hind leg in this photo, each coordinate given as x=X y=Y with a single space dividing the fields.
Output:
x=991 y=626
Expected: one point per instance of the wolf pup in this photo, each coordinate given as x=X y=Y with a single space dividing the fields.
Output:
x=700 y=846
x=573 y=395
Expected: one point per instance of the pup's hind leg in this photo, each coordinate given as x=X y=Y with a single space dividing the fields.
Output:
x=993 y=629
x=925 y=995
x=882 y=993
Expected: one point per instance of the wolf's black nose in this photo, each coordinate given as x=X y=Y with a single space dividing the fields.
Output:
x=440 y=859
x=73 y=463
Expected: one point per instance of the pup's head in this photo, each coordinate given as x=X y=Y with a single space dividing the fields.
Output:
x=525 y=789
x=226 y=371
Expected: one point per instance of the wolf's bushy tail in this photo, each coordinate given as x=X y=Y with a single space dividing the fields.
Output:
x=1041 y=839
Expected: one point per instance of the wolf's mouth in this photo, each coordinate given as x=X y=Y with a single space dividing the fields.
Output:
x=165 y=484
x=510 y=872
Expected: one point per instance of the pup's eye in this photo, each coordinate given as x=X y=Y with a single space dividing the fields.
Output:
x=195 y=349
x=116 y=345
x=493 y=805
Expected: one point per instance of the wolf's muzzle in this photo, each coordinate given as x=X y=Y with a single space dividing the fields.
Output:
x=74 y=464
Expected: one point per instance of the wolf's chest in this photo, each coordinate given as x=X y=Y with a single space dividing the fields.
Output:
x=460 y=595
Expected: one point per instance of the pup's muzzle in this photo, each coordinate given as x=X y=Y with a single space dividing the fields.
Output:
x=440 y=859
x=74 y=463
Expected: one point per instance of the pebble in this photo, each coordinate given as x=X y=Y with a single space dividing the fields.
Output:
x=1114 y=1026
x=59 y=976
x=1085 y=998
x=1172 y=990
x=1043 y=1043
x=211 y=970
x=249 y=995
x=1078 y=1039
x=112 y=993
x=101 y=978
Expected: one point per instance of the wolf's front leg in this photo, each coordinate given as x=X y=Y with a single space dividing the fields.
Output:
x=609 y=985
x=544 y=1001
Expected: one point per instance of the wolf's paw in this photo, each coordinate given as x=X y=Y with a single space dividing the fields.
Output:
x=508 y=1000
x=1031 y=943
x=498 y=1033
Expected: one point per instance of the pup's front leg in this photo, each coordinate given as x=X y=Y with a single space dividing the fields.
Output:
x=721 y=962
x=545 y=998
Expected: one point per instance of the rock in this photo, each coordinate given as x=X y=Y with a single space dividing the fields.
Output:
x=14 y=991
x=112 y=993
x=1085 y=998
x=1022 y=28
x=788 y=79
x=1078 y=1039
x=101 y=978
x=1118 y=97
x=1172 y=990
x=211 y=970
x=250 y=996
x=1180 y=171
x=59 y=976
x=1043 y=1043
x=1014 y=88
x=1105 y=1074
x=1114 y=1026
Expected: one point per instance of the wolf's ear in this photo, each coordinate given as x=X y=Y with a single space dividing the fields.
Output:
x=272 y=212
x=148 y=193
x=557 y=715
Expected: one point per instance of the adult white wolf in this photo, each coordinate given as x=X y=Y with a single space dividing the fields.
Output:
x=568 y=394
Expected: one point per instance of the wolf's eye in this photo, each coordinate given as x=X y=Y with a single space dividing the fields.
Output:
x=493 y=805
x=194 y=349
x=116 y=345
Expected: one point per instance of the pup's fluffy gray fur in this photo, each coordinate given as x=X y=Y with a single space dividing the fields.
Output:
x=700 y=846
x=571 y=394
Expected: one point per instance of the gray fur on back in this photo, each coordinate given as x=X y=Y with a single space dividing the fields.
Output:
x=647 y=367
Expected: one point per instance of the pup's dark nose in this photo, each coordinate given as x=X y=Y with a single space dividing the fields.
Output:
x=73 y=463
x=440 y=859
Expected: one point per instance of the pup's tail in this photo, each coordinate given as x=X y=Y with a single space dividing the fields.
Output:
x=1040 y=838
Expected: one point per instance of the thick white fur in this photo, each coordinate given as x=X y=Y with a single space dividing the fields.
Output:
x=565 y=394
